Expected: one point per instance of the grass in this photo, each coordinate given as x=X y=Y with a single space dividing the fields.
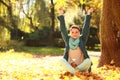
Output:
x=44 y=50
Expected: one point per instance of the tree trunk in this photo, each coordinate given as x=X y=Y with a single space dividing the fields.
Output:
x=51 y=38
x=110 y=33
x=11 y=24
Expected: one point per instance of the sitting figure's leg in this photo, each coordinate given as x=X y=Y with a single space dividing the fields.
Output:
x=85 y=65
x=67 y=66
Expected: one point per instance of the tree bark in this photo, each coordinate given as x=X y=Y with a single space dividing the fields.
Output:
x=110 y=33
x=51 y=38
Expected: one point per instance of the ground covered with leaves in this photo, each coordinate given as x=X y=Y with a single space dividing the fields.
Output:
x=24 y=66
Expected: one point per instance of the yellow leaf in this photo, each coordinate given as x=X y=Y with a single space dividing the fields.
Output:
x=82 y=2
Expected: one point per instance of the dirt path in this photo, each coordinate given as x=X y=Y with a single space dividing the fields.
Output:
x=94 y=54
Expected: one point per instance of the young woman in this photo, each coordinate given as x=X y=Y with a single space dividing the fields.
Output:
x=75 y=55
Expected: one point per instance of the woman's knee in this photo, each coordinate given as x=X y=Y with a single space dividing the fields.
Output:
x=85 y=65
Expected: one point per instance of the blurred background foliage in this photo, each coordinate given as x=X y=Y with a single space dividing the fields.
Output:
x=34 y=22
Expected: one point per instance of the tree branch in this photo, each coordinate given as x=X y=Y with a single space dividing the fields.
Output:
x=3 y=23
x=4 y=3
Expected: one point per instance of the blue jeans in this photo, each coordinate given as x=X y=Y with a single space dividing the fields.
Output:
x=84 y=66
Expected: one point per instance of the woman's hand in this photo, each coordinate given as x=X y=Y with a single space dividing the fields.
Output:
x=61 y=11
x=90 y=11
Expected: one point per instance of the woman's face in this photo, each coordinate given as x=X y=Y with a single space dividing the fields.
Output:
x=75 y=33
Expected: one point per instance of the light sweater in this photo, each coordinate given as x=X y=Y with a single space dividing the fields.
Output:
x=75 y=56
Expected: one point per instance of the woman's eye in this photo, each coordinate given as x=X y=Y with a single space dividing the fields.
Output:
x=76 y=32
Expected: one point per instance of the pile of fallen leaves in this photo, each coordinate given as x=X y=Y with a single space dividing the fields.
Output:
x=108 y=72
x=24 y=66
x=80 y=76
x=104 y=73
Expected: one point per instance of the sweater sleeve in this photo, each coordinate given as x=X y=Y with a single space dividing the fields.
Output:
x=86 y=28
x=63 y=28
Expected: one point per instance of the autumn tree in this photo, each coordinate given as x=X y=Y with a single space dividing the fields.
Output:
x=34 y=14
x=10 y=20
x=110 y=33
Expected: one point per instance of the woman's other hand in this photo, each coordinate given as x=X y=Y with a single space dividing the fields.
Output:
x=61 y=11
x=90 y=11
